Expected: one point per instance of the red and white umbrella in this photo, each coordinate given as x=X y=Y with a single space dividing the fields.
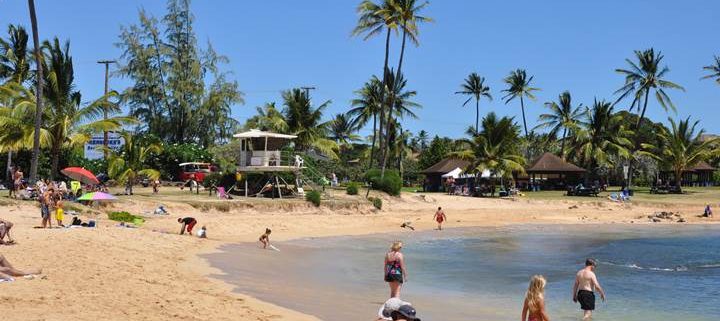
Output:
x=80 y=174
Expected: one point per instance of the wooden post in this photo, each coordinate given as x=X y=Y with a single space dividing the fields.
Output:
x=246 y=188
x=277 y=185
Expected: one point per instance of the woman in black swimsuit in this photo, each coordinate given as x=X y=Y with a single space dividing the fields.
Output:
x=395 y=273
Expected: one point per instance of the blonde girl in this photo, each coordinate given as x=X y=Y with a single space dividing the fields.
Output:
x=59 y=213
x=395 y=273
x=534 y=306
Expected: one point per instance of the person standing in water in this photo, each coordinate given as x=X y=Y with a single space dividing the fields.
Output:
x=534 y=305
x=395 y=272
x=586 y=284
x=265 y=238
x=440 y=217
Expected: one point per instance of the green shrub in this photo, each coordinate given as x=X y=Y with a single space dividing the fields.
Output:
x=353 y=188
x=313 y=197
x=391 y=183
x=124 y=217
x=377 y=202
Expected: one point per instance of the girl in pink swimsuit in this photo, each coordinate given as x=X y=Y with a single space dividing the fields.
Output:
x=534 y=306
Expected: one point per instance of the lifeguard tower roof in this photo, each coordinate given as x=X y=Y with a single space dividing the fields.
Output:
x=254 y=133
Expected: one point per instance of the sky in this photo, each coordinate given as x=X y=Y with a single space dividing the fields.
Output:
x=275 y=45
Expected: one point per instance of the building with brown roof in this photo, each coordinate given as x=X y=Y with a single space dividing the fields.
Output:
x=434 y=174
x=551 y=172
x=700 y=174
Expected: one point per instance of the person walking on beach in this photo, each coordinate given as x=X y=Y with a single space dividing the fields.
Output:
x=187 y=224
x=440 y=218
x=534 y=305
x=586 y=284
x=17 y=180
x=395 y=273
x=265 y=238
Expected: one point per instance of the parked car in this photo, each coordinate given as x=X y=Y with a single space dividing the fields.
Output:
x=195 y=169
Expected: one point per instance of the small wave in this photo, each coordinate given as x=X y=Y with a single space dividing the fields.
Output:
x=709 y=266
x=679 y=268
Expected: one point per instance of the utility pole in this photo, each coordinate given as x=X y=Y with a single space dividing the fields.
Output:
x=105 y=109
x=307 y=91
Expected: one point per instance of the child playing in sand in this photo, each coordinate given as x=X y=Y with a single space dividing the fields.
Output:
x=440 y=217
x=534 y=305
x=265 y=238
x=708 y=211
x=202 y=233
x=59 y=213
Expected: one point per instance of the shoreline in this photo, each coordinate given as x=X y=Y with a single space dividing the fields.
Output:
x=154 y=265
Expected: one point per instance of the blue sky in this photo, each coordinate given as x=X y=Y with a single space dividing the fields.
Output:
x=275 y=45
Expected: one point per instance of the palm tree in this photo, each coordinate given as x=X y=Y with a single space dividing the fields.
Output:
x=423 y=138
x=643 y=78
x=68 y=123
x=474 y=87
x=714 y=70
x=268 y=118
x=126 y=164
x=38 y=93
x=407 y=12
x=342 y=131
x=562 y=116
x=373 y=19
x=519 y=87
x=17 y=111
x=401 y=106
x=601 y=136
x=14 y=64
x=681 y=147
x=367 y=106
x=14 y=56
x=495 y=148
x=306 y=122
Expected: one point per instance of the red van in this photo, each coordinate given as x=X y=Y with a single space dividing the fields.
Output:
x=199 y=170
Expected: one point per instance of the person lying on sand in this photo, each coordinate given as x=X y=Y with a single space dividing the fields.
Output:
x=265 y=238
x=7 y=271
x=187 y=224
x=5 y=227
x=407 y=224
x=389 y=308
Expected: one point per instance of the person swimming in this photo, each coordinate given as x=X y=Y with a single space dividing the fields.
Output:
x=265 y=238
x=534 y=305
x=395 y=273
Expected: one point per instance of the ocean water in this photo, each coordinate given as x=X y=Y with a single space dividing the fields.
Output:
x=648 y=272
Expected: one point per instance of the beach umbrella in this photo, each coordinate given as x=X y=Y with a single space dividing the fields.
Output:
x=80 y=174
x=97 y=196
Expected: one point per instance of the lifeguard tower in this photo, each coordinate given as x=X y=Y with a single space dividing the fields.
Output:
x=268 y=154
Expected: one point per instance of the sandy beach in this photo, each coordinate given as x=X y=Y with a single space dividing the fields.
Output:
x=151 y=273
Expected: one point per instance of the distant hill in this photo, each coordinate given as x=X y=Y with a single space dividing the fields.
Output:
x=705 y=137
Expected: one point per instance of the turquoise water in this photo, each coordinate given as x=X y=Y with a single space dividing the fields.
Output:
x=649 y=273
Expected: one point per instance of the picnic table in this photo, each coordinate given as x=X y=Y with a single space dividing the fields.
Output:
x=582 y=191
x=666 y=189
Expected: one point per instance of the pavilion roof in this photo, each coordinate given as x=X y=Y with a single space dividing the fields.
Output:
x=550 y=163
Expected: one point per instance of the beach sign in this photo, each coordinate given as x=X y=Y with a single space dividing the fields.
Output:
x=93 y=148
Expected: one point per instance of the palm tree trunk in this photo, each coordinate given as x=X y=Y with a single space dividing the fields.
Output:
x=562 y=144
x=522 y=107
x=636 y=143
x=38 y=93
x=477 y=115
x=374 y=136
x=8 y=171
x=382 y=147
x=391 y=103
x=55 y=162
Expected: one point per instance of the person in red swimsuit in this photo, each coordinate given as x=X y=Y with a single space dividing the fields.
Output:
x=187 y=224
x=440 y=217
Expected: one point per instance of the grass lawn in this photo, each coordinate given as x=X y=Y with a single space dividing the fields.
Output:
x=691 y=195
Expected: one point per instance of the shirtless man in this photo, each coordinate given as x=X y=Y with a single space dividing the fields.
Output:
x=586 y=284
x=440 y=217
x=5 y=227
